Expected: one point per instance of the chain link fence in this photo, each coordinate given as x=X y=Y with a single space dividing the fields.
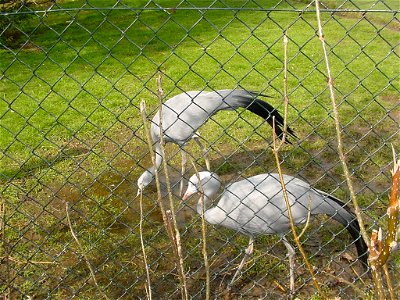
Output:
x=73 y=74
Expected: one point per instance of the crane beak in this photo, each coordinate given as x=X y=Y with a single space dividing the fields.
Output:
x=138 y=192
x=187 y=195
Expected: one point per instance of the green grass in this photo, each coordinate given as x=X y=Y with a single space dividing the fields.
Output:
x=71 y=131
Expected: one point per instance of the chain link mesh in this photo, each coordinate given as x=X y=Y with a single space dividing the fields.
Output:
x=72 y=76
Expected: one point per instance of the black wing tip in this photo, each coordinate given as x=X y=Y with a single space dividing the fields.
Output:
x=288 y=137
x=354 y=229
x=265 y=96
x=291 y=134
x=362 y=249
x=270 y=114
x=280 y=128
x=363 y=252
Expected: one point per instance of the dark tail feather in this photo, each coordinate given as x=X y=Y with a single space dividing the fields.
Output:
x=248 y=100
x=353 y=228
x=269 y=113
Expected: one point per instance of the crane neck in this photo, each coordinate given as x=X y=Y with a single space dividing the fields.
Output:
x=157 y=152
x=213 y=215
x=202 y=204
x=208 y=189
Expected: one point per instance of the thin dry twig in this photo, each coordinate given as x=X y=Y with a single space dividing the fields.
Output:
x=389 y=282
x=342 y=156
x=275 y=150
x=83 y=253
x=153 y=160
x=146 y=266
x=289 y=209
x=375 y=259
x=308 y=218
x=204 y=235
x=165 y=215
x=177 y=239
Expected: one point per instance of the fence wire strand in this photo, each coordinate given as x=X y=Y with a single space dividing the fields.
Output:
x=73 y=75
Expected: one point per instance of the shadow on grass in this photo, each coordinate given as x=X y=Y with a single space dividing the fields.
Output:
x=33 y=165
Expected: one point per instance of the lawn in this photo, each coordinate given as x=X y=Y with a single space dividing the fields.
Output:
x=71 y=132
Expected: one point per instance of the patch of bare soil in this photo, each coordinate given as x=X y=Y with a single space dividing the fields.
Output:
x=393 y=24
x=31 y=47
x=395 y=112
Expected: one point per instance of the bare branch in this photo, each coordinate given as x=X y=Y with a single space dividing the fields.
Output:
x=83 y=253
x=146 y=266
x=275 y=150
x=289 y=209
x=204 y=235
x=308 y=218
x=177 y=237
x=342 y=156
x=164 y=215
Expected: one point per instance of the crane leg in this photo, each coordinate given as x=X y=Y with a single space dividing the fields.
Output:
x=247 y=253
x=291 y=254
x=183 y=170
x=196 y=138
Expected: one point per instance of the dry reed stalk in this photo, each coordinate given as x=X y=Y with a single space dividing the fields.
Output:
x=376 y=261
x=342 y=156
x=83 y=253
x=164 y=213
x=146 y=266
x=153 y=160
x=308 y=219
x=296 y=238
x=275 y=150
x=204 y=235
x=389 y=282
x=177 y=239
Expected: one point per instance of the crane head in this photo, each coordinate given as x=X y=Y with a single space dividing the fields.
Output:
x=144 y=180
x=203 y=182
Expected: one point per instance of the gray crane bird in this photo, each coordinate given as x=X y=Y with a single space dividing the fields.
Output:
x=256 y=206
x=184 y=114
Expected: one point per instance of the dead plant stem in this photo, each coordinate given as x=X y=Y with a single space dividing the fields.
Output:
x=292 y=226
x=83 y=253
x=146 y=266
x=389 y=282
x=308 y=218
x=178 y=244
x=164 y=214
x=204 y=235
x=342 y=156
x=153 y=160
x=376 y=237
x=379 y=248
x=276 y=149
